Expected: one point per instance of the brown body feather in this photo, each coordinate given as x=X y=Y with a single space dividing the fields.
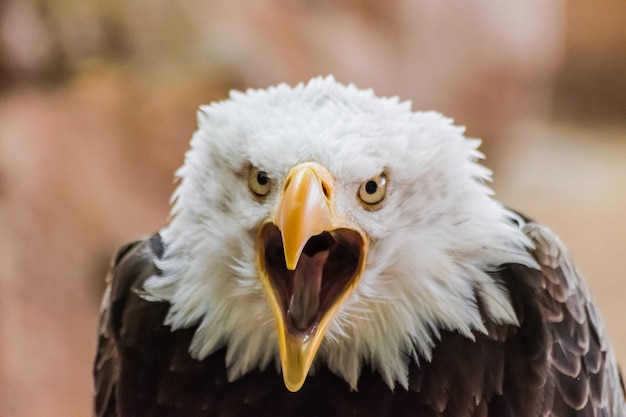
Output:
x=555 y=363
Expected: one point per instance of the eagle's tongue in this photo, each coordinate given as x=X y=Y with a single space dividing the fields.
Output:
x=307 y=282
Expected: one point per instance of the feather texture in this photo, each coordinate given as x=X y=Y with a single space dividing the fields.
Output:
x=536 y=368
x=433 y=241
x=464 y=308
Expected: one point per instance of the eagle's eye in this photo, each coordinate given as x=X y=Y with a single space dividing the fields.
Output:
x=259 y=182
x=372 y=192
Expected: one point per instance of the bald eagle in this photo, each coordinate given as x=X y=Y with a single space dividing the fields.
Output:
x=332 y=253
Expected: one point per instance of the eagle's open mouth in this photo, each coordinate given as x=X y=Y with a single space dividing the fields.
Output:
x=328 y=266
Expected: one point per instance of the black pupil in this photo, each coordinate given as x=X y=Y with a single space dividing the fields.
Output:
x=371 y=187
x=262 y=178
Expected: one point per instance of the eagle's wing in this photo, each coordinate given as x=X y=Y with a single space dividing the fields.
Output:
x=132 y=265
x=556 y=363
x=581 y=365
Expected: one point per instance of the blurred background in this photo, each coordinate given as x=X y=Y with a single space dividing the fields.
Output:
x=98 y=102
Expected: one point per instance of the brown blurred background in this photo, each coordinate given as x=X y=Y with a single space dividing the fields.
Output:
x=98 y=101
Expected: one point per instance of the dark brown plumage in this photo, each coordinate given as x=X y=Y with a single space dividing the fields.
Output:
x=555 y=363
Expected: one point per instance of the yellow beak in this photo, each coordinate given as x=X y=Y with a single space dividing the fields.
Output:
x=305 y=209
x=306 y=291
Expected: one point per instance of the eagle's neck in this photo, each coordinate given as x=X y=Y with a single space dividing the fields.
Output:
x=404 y=301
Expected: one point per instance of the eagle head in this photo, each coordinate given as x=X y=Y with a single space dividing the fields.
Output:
x=321 y=225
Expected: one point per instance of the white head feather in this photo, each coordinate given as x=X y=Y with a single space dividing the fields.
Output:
x=433 y=241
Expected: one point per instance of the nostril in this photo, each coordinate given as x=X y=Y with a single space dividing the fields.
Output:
x=326 y=190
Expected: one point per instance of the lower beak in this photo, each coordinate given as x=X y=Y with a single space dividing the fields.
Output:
x=309 y=264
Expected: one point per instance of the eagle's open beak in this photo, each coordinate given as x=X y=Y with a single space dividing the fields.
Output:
x=309 y=263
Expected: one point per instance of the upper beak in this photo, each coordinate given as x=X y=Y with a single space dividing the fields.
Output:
x=307 y=284
x=305 y=209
